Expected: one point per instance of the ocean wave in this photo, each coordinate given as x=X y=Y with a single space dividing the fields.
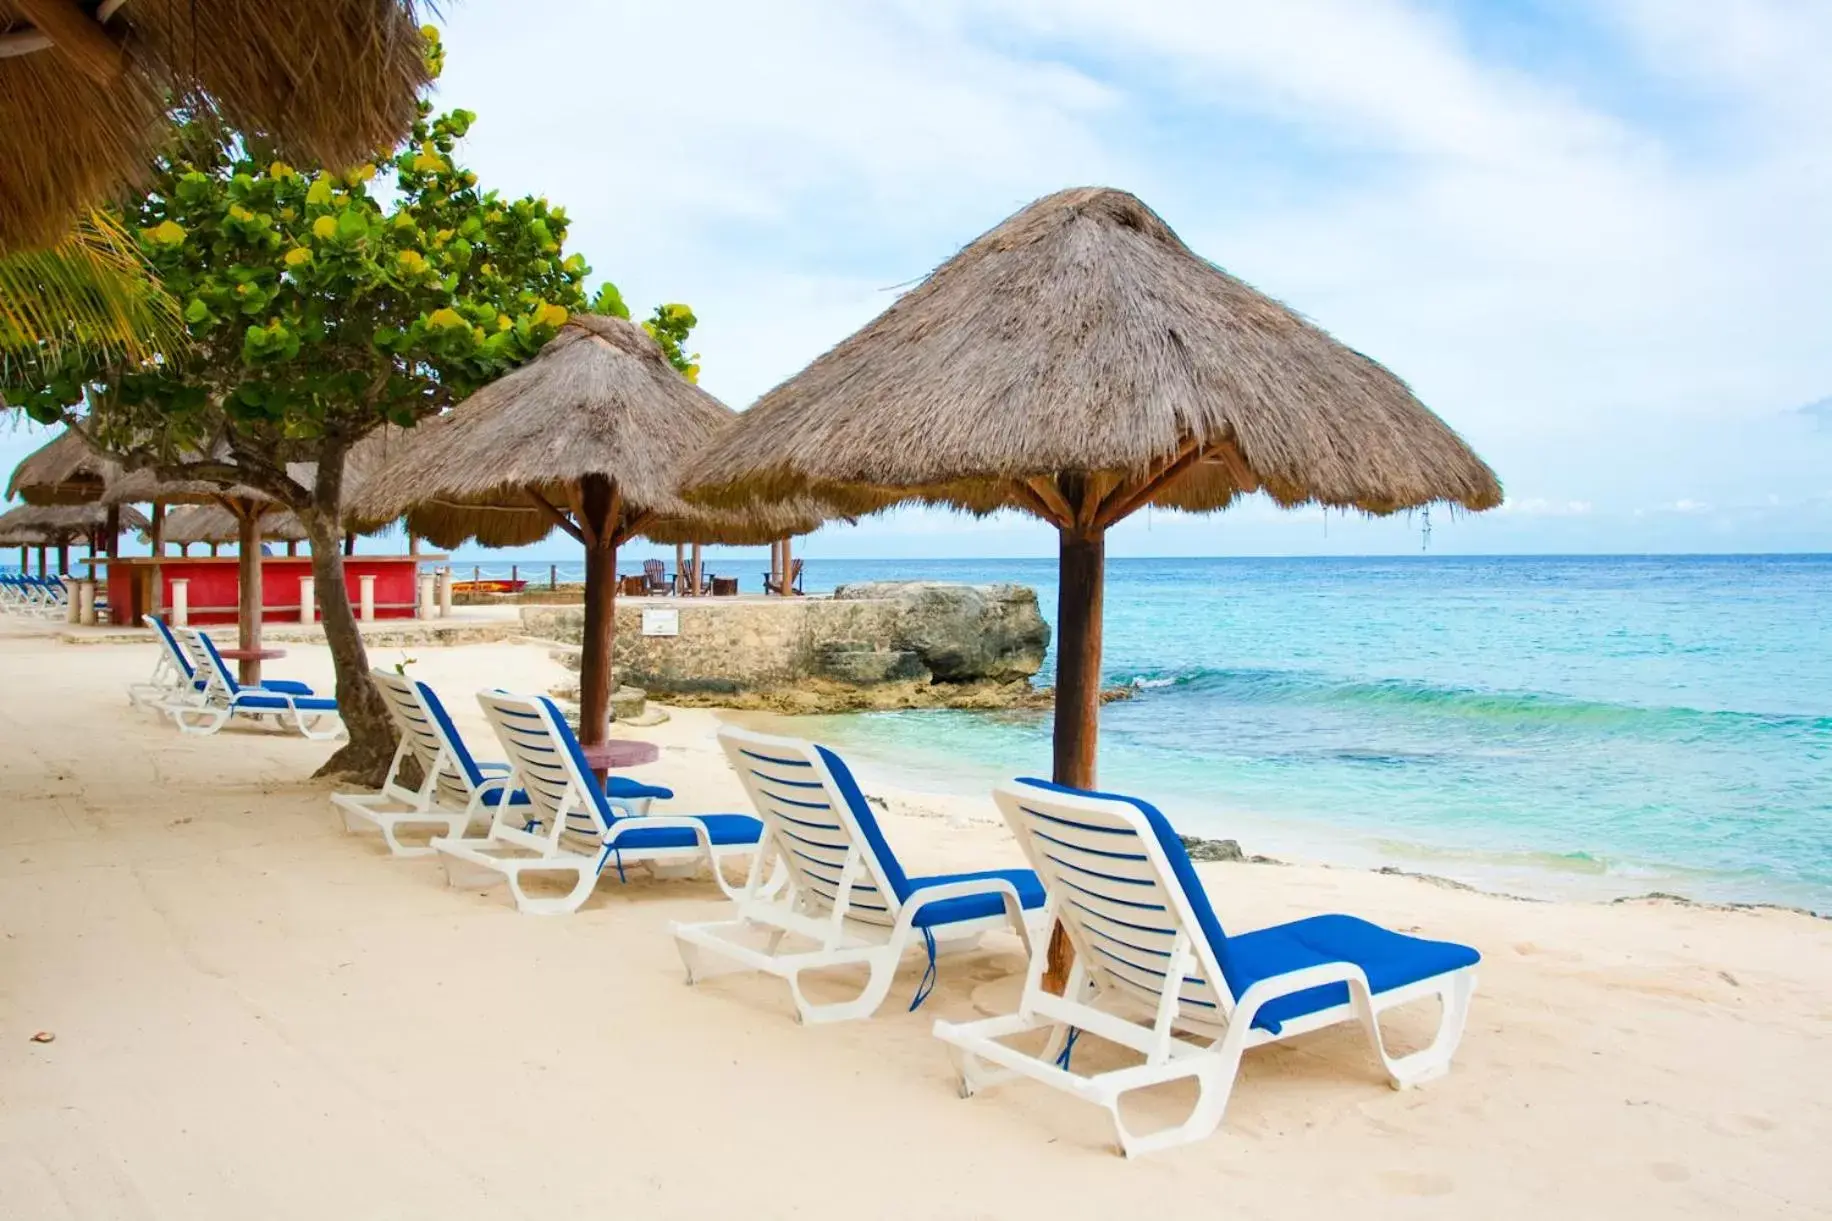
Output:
x=1302 y=687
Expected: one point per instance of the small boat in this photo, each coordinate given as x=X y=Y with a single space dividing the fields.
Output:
x=488 y=587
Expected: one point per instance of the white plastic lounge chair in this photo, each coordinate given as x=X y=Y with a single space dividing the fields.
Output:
x=569 y=826
x=1123 y=887
x=222 y=698
x=456 y=787
x=847 y=893
x=174 y=675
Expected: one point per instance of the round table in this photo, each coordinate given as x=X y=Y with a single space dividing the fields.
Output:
x=249 y=669
x=620 y=753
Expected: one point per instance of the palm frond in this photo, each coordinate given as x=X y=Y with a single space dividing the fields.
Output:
x=94 y=289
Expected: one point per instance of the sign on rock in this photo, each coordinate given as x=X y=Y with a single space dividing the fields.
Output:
x=661 y=623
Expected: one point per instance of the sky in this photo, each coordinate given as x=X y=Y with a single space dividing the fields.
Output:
x=1591 y=234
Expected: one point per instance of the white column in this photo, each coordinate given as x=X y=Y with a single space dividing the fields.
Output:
x=368 y=597
x=85 y=603
x=445 y=594
x=308 y=599
x=181 y=601
x=429 y=598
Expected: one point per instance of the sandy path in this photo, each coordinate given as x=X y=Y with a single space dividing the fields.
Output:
x=258 y=1016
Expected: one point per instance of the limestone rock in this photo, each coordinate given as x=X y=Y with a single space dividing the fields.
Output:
x=849 y=661
x=962 y=633
x=1212 y=849
x=628 y=703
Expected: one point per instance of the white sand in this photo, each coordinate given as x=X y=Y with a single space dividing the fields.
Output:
x=257 y=1016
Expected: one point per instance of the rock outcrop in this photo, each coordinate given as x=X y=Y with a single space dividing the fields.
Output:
x=876 y=645
x=962 y=633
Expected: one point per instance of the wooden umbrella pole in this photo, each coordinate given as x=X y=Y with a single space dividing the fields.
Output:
x=155 y=595
x=694 y=588
x=63 y=557
x=598 y=505
x=41 y=562
x=1081 y=582
x=248 y=590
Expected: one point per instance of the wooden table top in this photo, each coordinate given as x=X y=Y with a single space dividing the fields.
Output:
x=621 y=753
x=250 y=654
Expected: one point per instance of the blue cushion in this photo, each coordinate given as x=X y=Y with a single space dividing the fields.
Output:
x=634 y=790
x=868 y=823
x=248 y=698
x=285 y=686
x=1389 y=960
x=975 y=907
x=493 y=797
x=720 y=828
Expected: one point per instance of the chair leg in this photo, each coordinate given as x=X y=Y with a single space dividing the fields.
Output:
x=565 y=905
x=882 y=965
x=1214 y=1076
x=1433 y=1060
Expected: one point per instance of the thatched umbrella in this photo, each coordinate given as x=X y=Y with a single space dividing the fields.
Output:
x=60 y=525
x=590 y=437
x=211 y=523
x=63 y=471
x=1078 y=363
x=247 y=506
x=84 y=89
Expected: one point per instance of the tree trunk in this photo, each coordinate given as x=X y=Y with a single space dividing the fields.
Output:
x=248 y=602
x=366 y=756
x=1081 y=579
x=596 y=499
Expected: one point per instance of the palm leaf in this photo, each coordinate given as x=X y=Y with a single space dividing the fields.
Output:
x=93 y=290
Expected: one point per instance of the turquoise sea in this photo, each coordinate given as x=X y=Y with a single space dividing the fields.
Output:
x=1580 y=727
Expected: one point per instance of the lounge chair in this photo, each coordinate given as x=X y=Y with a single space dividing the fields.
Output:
x=655 y=578
x=569 y=826
x=1123 y=887
x=455 y=788
x=221 y=698
x=847 y=893
x=174 y=674
x=770 y=585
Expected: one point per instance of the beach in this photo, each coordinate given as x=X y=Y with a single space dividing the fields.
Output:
x=256 y=1014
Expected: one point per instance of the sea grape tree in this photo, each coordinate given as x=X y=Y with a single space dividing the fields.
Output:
x=322 y=305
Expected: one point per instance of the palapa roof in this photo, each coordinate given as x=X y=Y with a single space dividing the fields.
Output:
x=63 y=471
x=144 y=486
x=84 y=87
x=1082 y=336
x=215 y=524
x=31 y=525
x=600 y=399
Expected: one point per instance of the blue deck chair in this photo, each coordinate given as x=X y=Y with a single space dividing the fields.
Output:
x=175 y=674
x=222 y=698
x=849 y=901
x=1123 y=888
x=569 y=826
x=456 y=788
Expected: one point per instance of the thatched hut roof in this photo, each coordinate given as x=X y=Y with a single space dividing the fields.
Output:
x=83 y=94
x=31 y=525
x=63 y=471
x=599 y=400
x=144 y=486
x=215 y=524
x=1081 y=335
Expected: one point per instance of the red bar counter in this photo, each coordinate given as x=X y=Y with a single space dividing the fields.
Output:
x=214 y=586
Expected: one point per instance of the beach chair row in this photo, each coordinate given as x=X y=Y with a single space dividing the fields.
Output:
x=1154 y=970
x=39 y=597
x=193 y=685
